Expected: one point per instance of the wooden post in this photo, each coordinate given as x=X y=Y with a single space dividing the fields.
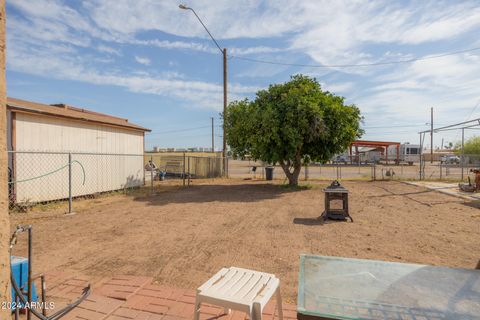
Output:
x=4 y=218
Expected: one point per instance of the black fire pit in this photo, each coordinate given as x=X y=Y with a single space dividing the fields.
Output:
x=336 y=191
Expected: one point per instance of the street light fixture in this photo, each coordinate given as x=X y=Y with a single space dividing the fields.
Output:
x=224 y=53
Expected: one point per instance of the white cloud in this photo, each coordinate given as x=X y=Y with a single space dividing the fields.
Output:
x=330 y=32
x=46 y=42
x=143 y=60
x=338 y=87
x=197 y=93
x=109 y=50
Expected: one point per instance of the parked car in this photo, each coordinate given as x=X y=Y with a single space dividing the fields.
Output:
x=340 y=159
x=450 y=159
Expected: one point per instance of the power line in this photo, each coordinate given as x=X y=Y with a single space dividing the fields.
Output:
x=179 y=130
x=473 y=110
x=354 y=65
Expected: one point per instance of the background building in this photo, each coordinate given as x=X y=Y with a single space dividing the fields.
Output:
x=106 y=151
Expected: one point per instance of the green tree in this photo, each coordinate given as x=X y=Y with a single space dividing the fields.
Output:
x=471 y=146
x=292 y=123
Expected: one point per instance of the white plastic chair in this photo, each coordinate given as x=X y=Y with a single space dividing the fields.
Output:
x=240 y=289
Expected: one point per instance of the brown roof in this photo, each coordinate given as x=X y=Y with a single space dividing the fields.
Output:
x=66 y=111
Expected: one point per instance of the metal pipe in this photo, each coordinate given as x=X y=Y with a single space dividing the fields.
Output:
x=79 y=153
x=183 y=176
x=69 y=183
x=17 y=307
x=188 y=170
x=44 y=307
x=431 y=135
x=454 y=125
x=29 y=281
x=463 y=150
x=420 y=157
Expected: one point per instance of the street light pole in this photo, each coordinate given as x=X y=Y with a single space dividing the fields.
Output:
x=224 y=53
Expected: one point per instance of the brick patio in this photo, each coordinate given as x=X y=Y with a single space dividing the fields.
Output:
x=136 y=298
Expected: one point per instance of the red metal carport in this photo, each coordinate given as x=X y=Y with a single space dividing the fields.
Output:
x=376 y=144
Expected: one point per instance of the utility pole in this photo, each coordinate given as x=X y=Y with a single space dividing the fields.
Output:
x=224 y=109
x=441 y=146
x=431 y=135
x=213 y=136
x=5 y=313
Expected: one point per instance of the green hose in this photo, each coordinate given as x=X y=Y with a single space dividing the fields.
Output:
x=52 y=172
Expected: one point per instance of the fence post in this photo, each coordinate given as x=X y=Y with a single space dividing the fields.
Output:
x=151 y=174
x=184 y=169
x=463 y=150
x=226 y=161
x=69 y=182
x=189 y=176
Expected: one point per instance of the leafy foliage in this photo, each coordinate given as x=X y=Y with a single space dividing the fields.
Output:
x=291 y=123
x=471 y=146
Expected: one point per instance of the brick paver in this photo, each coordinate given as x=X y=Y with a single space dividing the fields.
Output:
x=123 y=287
x=69 y=288
x=135 y=298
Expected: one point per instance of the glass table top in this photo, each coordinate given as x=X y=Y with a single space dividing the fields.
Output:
x=343 y=288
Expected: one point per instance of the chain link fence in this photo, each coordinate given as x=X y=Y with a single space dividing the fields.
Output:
x=245 y=169
x=43 y=178
x=450 y=168
x=46 y=177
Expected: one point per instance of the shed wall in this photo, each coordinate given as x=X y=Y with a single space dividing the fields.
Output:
x=111 y=166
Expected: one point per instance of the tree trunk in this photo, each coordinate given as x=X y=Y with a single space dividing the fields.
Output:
x=292 y=176
x=4 y=219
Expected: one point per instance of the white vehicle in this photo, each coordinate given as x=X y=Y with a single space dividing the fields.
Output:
x=450 y=160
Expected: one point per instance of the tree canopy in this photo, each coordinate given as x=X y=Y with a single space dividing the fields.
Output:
x=471 y=146
x=292 y=123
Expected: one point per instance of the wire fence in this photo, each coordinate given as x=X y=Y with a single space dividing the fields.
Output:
x=448 y=168
x=52 y=177
x=46 y=177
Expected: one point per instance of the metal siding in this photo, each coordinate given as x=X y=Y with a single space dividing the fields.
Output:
x=103 y=173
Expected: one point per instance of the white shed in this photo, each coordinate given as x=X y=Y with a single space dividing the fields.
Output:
x=106 y=151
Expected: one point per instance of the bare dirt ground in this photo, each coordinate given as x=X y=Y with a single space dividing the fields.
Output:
x=181 y=236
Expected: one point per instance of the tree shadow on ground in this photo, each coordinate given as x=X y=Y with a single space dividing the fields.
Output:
x=409 y=195
x=216 y=193
x=473 y=204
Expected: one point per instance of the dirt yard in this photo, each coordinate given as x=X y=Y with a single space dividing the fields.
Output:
x=181 y=236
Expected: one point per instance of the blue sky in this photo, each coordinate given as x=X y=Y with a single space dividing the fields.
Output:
x=154 y=64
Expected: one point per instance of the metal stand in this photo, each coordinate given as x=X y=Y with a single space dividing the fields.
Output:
x=336 y=192
x=20 y=292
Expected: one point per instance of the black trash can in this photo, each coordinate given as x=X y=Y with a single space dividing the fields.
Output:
x=269 y=173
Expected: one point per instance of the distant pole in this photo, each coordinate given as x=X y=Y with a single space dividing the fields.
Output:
x=420 y=157
x=463 y=150
x=213 y=136
x=431 y=135
x=441 y=146
x=224 y=108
